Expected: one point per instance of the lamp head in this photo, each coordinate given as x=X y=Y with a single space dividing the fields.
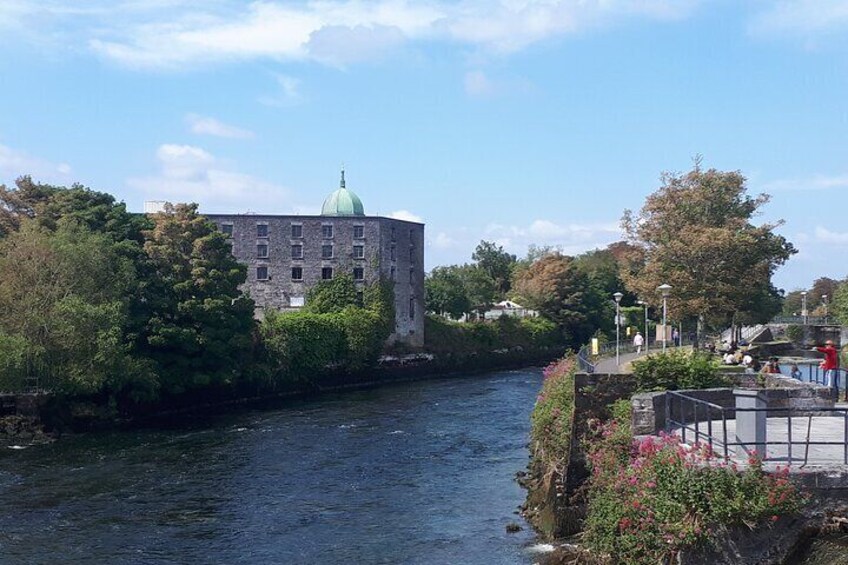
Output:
x=617 y=296
x=665 y=289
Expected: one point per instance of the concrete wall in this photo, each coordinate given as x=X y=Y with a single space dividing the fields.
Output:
x=649 y=409
x=393 y=249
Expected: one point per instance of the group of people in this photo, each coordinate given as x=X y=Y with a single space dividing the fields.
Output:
x=740 y=356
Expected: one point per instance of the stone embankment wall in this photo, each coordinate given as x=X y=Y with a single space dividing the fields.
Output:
x=650 y=408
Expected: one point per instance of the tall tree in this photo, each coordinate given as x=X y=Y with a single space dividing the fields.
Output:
x=695 y=233
x=199 y=324
x=445 y=293
x=564 y=294
x=497 y=263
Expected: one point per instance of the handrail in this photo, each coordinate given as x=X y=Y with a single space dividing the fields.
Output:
x=672 y=425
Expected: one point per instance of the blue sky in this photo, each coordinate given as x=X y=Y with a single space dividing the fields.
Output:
x=516 y=121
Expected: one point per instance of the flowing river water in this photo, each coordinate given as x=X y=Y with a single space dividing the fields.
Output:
x=412 y=473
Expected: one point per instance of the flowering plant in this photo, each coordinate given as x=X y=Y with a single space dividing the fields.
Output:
x=652 y=497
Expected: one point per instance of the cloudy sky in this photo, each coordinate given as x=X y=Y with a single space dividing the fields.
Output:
x=518 y=121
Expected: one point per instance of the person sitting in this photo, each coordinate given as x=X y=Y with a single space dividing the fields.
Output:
x=795 y=372
x=729 y=359
x=747 y=360
x=775 y=366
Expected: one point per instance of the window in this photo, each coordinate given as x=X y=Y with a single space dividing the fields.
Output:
x=411 y=237
x=393 y=233
x=358 y=232
x=392 y=274
x=297 y=273
x=411 y=308
x=227 y=229
x=326 y=273
x=358 y=251
x=327 y=251
x=297 y=231
x=411 y=274
x=358 y=274
x=262 y=273
x=297 y=252
x=327 y=231
x=261 y=230
x=392 y=252
x=411 y=254
x=296 y=301
x=262 y=250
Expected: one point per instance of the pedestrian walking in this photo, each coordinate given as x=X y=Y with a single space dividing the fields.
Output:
x=638 y=342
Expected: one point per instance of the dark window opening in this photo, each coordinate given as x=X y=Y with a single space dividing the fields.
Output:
x=326 y=273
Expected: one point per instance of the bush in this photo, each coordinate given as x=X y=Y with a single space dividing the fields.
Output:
x=795 y=333
x=444 y=336
x=13 y=363
x=551 y=420
x=649 y=499
x=677 y=370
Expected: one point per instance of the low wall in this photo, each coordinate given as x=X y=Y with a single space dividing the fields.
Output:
x=650 y=408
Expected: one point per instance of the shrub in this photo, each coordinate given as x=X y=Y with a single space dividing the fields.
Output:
x=551 y=420
x=677 y=370
x=650 y=498
x=795 y=333
x=445 y=336
x=13 y=362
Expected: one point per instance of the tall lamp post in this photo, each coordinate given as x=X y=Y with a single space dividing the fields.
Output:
x=804 y=305
x=647 y=335
x=617 y=297
x=824 y=300
x=665 y=289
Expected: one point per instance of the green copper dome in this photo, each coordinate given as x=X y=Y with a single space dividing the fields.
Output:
x=342 y=203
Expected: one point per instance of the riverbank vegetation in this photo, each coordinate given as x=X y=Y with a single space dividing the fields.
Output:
x=642 y=501
x=121 y=313
x=649 y=499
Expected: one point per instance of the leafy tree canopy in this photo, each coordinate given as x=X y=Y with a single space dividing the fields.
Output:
x=695 y=233
x=564 y=294
x=496 y=263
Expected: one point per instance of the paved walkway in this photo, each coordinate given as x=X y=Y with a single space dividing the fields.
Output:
x=608 y=365
x=827 y=439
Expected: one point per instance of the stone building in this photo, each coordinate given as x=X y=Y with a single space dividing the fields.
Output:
x=287 y=255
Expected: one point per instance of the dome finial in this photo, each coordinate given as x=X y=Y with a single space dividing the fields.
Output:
x=342 y=183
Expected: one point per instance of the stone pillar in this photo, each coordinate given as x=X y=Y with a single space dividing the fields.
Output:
x=750 y=426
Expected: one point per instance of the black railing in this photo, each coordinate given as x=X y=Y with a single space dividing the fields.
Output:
x=714 y=412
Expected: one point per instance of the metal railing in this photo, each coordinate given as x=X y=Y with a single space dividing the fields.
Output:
x=810 y=320
x=813 y=373
x=587 y=361
x=710 y=410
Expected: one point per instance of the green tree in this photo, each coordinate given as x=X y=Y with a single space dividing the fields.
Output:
x=199 y=325
x=445 y=293
x=64 y=294
x=840 y=304
x=695 y=233
x=496 y=263
x=480 y=288
x=564 y=294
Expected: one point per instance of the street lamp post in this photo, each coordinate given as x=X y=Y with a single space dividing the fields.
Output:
x=665 y=289
x=804 y=306
x=647 y=335
x=824 y=300
x=617 y=297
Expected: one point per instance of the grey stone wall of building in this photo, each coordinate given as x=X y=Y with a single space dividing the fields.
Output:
x=279 y=249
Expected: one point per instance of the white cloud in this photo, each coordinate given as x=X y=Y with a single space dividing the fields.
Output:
x=288 y=92
x=203 y=125
x=176 y=34
x=15 y=163
x=191 y=174
x=823 y=235
x=406 y=215
x=443 y=241
x=802 y=17
x=816 y=182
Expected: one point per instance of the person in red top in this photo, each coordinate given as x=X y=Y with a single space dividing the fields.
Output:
x=831 y=361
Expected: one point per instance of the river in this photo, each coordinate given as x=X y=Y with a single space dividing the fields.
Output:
x=412 y=473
